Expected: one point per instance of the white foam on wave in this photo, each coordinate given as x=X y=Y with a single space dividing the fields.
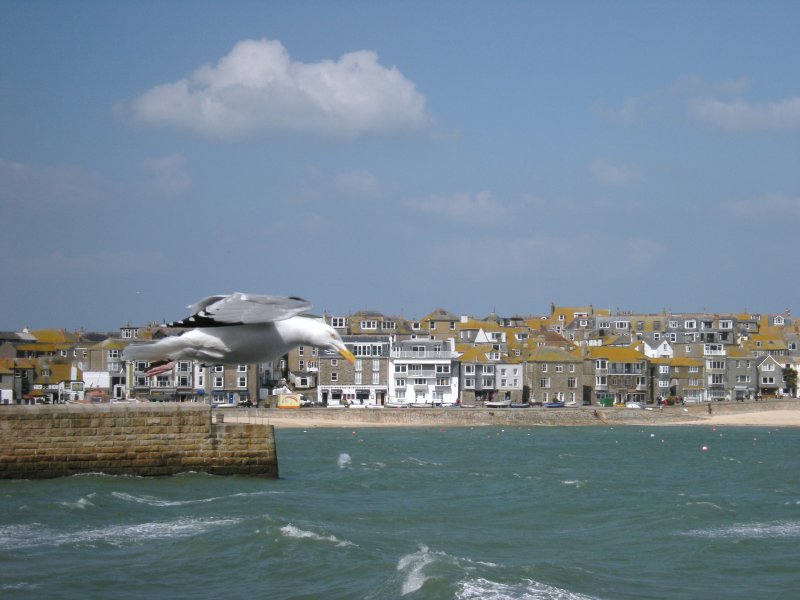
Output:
x=344 y=460
x=155 y=501
x=576 y=483
x=484 y=589
x=422 y=463
x=783 y=529
x=291 y=531
x=81 y=503
x=34 y=535
x=413 y=565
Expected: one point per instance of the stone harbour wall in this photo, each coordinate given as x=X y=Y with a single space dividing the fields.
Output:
x=38 y=442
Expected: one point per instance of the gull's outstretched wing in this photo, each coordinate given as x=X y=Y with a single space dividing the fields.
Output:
x=238 y=309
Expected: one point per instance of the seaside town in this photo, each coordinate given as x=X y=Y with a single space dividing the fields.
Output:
x=572 y=356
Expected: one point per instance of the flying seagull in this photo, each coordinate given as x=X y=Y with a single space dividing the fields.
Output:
x=239 y=329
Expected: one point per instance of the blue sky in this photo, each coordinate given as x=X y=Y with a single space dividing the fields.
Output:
x=398 y=157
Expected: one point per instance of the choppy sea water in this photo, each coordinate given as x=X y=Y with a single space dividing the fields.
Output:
x=483 y=513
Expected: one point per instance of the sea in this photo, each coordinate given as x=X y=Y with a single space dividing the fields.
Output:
x=451 y=513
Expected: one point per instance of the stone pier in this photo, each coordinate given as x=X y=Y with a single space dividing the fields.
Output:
x=38 y=442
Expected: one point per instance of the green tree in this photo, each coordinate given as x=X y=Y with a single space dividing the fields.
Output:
x=790 y=379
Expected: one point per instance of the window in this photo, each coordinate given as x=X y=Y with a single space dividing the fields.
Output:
x=621 y=324
x=334 y=377
x=694 y=369
x=488 y=382
x=663 y=383
x=301 y=365
x=572 y=368
x=401 y=394
x=300 y=351
x=334 y=362
x=357 y=378
x=726 y=324
x=420 y=381
x=743 y=379
x=544 y=382
x=559 y=368
x=469 y=369
x=442 y=368
x=376 y=378
x=469 y=383
x=241 y=382
x=443 y=381
x=359 y=364
x=716 y=379
x=376 y=365
x=452 y=325
x=673 y=324
x=389 y=325
x=601 y=380
x=572 y=382
x=218 y=368
x=663 y=369
x=401 y=368
x=544 y=368
x=767 y=380
x=400 y=382
x=218 y=382
x=370 y=324
x=715 y=364
x=601 y=364
x=338 y=322
x=768 y=367
x=113 y=354
x=416 y=325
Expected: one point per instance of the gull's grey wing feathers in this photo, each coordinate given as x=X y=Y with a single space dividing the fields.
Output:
x=251 y=308
x=239 y=309
x=201 y=304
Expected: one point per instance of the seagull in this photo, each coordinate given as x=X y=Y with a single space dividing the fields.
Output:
x=238 y=329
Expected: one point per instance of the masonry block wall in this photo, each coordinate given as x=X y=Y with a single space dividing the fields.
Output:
x=38 y=442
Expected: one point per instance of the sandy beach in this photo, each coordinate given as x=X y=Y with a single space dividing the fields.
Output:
x=770 y=418
x=785 y=414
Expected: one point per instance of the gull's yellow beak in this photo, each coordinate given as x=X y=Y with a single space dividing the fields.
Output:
x=347 y=355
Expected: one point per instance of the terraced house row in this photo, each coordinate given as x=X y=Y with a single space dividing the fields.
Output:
x=575 y=355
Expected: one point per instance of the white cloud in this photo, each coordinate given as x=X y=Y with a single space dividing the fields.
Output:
x=359 y=184
x=169 y=175
x=461 y=207
x=738 y=115
x=767 y=207
x=257 y=89
x=49 y=187
x=609 y=173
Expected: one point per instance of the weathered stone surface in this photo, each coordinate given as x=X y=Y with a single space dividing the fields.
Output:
x=148 y=440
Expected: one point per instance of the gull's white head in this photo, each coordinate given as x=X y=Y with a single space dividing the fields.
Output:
x=325 y=336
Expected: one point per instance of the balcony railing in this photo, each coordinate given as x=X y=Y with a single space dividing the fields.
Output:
x=444 y=354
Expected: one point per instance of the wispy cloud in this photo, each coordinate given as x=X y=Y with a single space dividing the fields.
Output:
x=739 y=115
x=768 y=206
x=49 y=187
x=258 y=89
x=461 y=206
x=168 y=175
x=358 y=184
x=609 y=173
